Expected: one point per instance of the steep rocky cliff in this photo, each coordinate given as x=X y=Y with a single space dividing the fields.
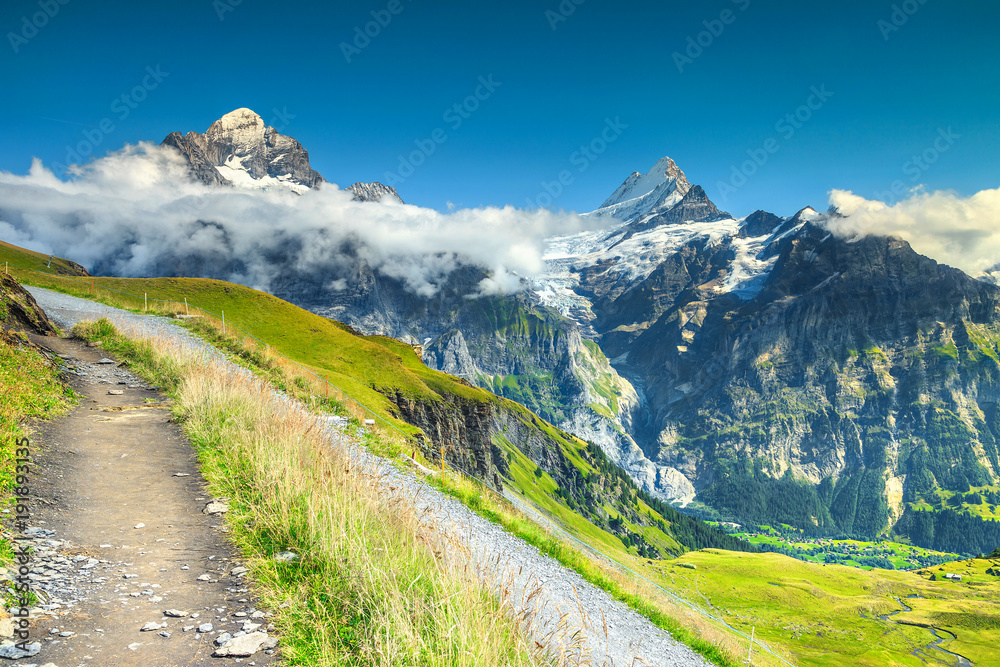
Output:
x=240 y=150
x=508 y=447
x=373 y=192
x=761 y=368
x=861 y=368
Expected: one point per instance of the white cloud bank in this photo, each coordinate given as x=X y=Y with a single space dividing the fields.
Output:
x=963 y=232
x=137 y=212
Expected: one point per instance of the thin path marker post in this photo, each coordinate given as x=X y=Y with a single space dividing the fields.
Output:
x=145 y=304
x=6 y=268
x=223 y=323
x=753 y=629
x=186 y=313
x=91 y=287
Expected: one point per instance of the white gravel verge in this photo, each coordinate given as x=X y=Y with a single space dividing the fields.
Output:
x=573 y=617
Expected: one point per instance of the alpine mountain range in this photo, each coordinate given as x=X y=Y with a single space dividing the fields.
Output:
x=754 y=369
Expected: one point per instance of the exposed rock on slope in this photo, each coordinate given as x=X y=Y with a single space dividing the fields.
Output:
x=240 y=150
x=694 y=206
x=19 y=312
x=863 y=368
x=373 y=192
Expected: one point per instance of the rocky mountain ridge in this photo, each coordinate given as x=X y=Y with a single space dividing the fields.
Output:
x=374 y=192
x=240 y=150
x=723 y=360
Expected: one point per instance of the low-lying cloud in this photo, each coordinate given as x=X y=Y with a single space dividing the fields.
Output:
x=963 y=232
x=138 y=213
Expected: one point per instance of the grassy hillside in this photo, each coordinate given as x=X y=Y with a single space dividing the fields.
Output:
x=833 y=615
x=30 y=383
x=369 y=585
x=29 y=259
x=578 y=487
x=819 y=614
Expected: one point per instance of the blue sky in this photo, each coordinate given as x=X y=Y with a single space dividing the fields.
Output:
x=885 y=81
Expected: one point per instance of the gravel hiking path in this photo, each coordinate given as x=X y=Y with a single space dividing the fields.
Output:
x=569 y=614
x=131 y=569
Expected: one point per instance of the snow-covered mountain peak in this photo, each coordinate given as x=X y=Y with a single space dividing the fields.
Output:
x=238 y=118
x=239 y=150
x=374 y=192
x=242 y=130
x=807 y=214
x=657 y=190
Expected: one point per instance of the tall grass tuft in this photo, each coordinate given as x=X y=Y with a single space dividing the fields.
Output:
x=705 y=636
x=30 y=390
x=368 y=585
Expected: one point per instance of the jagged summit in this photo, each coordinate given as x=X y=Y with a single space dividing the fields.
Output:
x=373 y=192
x=694 y=206
x=759 y=223
x=657 y=190
x=240 y=150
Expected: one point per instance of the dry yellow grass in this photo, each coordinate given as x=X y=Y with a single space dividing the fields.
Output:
x=370 y=585
x=705 y=635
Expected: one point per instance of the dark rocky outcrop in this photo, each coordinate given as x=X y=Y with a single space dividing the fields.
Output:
x=191 y=147
x=462 y=428
x=19 y=312
x=759 y=223
x=695 y=206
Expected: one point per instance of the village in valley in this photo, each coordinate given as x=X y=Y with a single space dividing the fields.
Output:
x=791 y=541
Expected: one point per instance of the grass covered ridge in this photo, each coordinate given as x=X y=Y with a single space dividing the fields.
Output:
x=704 y=636
x=370 y=587
x=360 y=366
x=30 y=383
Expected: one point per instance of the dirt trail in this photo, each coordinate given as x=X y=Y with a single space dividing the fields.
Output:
x=569 y=614
x=118 y=486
